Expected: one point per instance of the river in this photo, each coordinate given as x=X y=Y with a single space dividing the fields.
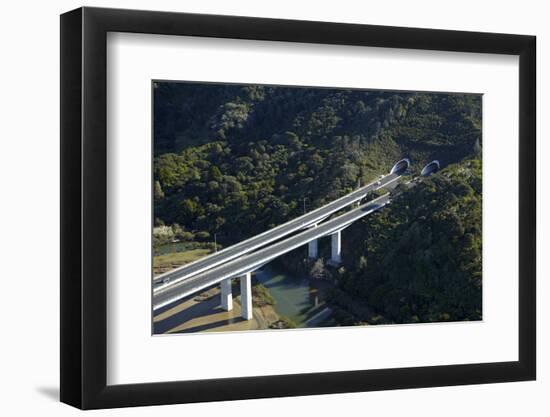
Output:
x=295 y=298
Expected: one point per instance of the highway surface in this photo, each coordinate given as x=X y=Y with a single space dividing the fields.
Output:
x=246 y=246
x=165 y=295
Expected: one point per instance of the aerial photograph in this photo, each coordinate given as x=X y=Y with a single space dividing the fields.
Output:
x=299 y=207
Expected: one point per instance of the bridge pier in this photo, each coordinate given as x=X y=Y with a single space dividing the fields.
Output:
x=312 y=250
x=336 y=252
x=226 y=295
x=246 y=296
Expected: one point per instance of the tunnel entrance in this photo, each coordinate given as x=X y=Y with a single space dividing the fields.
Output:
x=400 y=167
x=431 y=168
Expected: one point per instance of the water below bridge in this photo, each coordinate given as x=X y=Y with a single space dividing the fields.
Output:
x=295 y=296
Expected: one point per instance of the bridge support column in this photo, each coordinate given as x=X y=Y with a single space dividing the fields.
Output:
x=226 y=295
x=312 y=249
x=336 y=253
x=246 y=296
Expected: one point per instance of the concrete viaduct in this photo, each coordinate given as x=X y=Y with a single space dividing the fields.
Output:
x=240 y=260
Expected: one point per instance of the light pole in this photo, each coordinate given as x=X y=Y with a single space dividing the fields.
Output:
x=359 y=186
x=215 y=243
x=304 y=199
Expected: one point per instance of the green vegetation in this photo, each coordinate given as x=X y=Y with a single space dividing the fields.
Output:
x=232 y=161
x=420 y=258
x=237 y=160
x=261 y=295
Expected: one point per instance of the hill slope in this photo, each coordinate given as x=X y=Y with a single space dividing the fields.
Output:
x=236 y=160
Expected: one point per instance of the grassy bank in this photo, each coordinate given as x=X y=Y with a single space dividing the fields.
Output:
x=168 y=261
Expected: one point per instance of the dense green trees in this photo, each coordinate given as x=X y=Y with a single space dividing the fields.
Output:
x=251 y=154
x=423 y=251
x=235 y=160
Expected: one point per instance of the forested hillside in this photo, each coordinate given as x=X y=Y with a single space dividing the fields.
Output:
x=236 y=160
x=419 y=260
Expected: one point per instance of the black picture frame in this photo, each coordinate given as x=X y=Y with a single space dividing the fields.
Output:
x=84 y=207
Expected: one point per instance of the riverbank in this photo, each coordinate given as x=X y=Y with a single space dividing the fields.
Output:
x=280 y=301
x=203 y=313
x=298 y=298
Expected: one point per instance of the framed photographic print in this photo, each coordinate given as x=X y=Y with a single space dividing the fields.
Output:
x=257 y=208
